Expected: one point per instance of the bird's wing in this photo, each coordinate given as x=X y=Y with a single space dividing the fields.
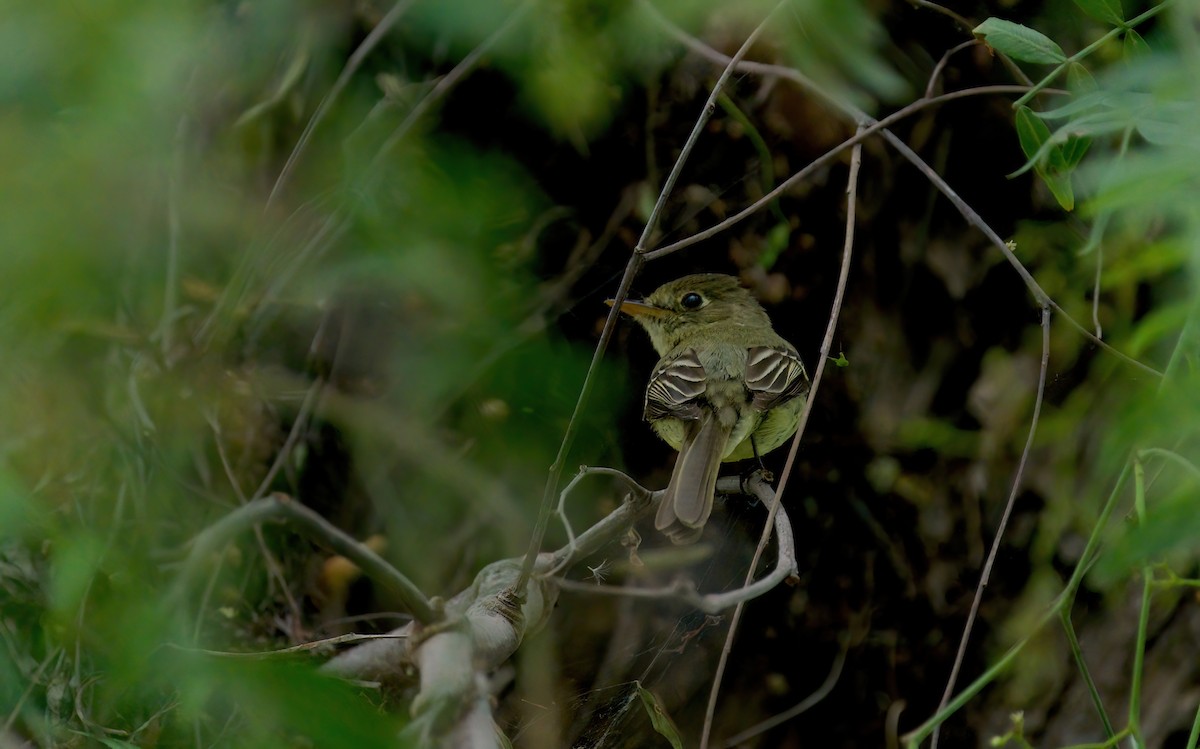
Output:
x=674 y=387
x=774 y=375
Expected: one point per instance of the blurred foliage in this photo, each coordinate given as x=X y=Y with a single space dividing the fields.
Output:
x=412 y=314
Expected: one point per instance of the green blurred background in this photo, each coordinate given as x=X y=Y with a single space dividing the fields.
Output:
x=411 y=310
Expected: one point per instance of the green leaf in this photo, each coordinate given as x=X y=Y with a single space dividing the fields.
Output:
x=841 y=360
x=1060 y=186
x=1074 y=150
x=1108 y=11
x=658 y=717
x=1134 y=45
x=1080 y=79
x=1031 y=132
x=1079 y=105
x=1019 y=42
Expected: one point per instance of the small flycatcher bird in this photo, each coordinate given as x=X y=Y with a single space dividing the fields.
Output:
x=726 y=388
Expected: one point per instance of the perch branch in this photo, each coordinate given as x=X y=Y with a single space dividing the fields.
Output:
x=714 y=603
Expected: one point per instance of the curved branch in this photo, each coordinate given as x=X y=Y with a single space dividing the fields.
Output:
x=279 y=506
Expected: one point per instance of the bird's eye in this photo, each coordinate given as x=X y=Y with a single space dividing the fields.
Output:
x=691 y=300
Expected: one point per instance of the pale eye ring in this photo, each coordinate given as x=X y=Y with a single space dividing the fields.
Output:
x=691 y=300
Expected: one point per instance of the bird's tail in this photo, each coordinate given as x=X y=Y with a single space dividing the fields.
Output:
x=689 y=498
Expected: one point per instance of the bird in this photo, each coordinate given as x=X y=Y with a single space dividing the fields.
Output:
x=727 y=387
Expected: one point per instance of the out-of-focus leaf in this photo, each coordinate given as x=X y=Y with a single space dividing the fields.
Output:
x=1060 y=186
x=775 y=242
x=76 y=561
x=1020 y=42
x=291 y=76
x=1134 y=46
x=1172 y=523
x=1148 y=262
x=1108 y=11
x=1078 y=105
x=1080 y=79
x=659 y=718
x=1170 y=124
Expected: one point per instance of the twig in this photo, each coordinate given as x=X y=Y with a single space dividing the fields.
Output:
x=1063 y=603
x=350 y=68
x=714 y=603
x=636 y=259
x=873 y=126
x=806 y=704
x=960 y=20
x=941 y=64
x=1008 y=507
x=571 y=551
x=823 y=357
x=281 y=507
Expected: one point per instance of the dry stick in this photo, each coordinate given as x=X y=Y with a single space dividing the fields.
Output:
x=937 y=69
x=826 y=344
x=1012 y=499
x=636 y=260
x=352 y=64
x=809 y=702
x=960 y=20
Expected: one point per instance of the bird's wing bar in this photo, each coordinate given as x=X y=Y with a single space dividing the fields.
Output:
x=774 y=375
x=674 y=387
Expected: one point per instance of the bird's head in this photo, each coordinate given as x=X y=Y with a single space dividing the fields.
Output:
x=680 y=308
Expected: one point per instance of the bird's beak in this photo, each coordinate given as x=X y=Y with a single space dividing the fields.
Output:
x=638 y=309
